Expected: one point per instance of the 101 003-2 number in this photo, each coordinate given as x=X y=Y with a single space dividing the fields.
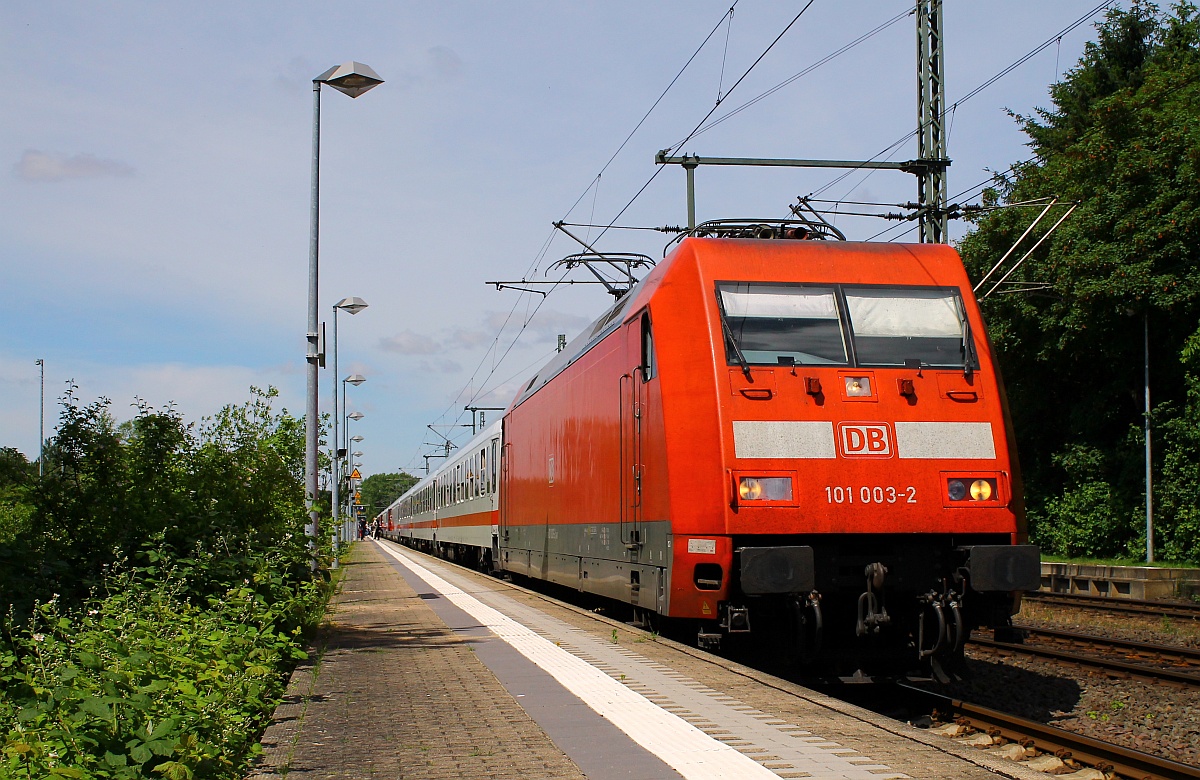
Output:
x=845 y=494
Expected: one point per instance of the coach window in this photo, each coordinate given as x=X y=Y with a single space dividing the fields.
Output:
x=495 y=460
x=649 y=367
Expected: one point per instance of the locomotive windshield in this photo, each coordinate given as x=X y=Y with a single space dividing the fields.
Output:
x=784 y=323
x=773 y=324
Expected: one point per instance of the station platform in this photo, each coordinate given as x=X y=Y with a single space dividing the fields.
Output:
x=429 y=671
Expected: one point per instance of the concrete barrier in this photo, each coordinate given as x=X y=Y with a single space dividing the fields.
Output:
x=1120 y=582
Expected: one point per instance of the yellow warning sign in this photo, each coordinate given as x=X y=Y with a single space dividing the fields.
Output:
x=355 y=475
x=707 y=610
x=358 y=496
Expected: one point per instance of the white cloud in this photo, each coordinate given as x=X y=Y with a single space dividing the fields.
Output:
x=36 y=165
x=410 y=343
x=470 y=338
x=445 y=63
x=545 y=326
x=194 y=391
x=502 y=395
x=440 y=366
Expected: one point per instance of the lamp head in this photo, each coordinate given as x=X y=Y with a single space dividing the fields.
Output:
x=355 y=379
x=350 y=78
x=355 y=415
x=351 y=305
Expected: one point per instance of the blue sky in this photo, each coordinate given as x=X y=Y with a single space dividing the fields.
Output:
x=154 y=170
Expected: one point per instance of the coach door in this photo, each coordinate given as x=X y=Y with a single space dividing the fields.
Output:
x=505 y=490
x=640 y=357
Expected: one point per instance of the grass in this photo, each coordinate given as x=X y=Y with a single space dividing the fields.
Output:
x=1119 y=562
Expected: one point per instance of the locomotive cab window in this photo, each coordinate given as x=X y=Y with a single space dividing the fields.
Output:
x=772 y=324
x=895 y=326
x=842 y=325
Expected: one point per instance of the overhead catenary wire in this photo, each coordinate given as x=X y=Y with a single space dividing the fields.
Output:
x=497 y=356
x=1032 y=249
x=711 y=111
x=608 y=226
x=1035 y=159
x=727 y=15
x=787 y=82
x=981 y=186
x=592 y=186
x=725 y=53
x=1012 y=249
x=888 y=151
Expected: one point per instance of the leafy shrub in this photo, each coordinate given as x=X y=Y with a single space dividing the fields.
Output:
x=146 y=682
x=158 y=589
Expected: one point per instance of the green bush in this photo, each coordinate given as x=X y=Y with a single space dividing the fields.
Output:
x=158 y=589
x=145 y=682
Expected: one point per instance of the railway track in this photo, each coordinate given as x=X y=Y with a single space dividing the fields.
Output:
x=1106 y=757
x=1175 y=665
x=1171 y=609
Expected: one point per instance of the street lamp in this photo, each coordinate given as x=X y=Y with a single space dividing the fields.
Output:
x=353 y=306
x=353 y=79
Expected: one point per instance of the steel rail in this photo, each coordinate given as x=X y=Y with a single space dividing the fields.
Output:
x=1106 y=757
x=1136 y=671
x=1136 y=606
x=1185 y=654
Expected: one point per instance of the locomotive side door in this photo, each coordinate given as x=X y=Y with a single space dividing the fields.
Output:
x=640 y=361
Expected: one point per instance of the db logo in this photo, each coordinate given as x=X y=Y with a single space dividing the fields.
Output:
x=865 y=440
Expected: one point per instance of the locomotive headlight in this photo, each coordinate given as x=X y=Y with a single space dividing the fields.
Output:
x=858 y=386
x=765 y=488
x=750 y=489
x=981 y=490
x=970 y=489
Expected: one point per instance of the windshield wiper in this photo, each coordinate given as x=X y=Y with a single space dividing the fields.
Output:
x=966 y=348
x=737 y=351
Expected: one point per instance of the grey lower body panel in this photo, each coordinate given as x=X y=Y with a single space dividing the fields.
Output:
x=594 y=558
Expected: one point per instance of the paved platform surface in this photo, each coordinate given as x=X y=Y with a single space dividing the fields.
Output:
x=392 y=692
x=427 y=671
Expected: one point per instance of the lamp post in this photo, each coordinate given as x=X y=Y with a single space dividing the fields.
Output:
x=353 y=306
x=1146 y=430
x=353 y=79
x=354 y=379
x=42 y=421
x=355 y=454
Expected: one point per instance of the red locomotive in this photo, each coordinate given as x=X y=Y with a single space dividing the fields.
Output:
x=800 y=441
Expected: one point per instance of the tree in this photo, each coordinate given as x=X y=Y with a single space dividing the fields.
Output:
x=1122 y=141
x=380 y=490
x=111 y=488
x=16 y=475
